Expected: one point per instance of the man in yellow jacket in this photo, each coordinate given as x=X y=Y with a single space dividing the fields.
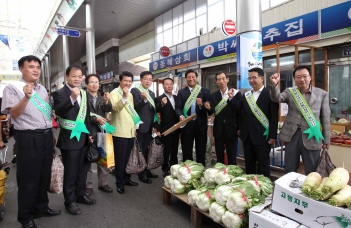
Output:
x=124 y=118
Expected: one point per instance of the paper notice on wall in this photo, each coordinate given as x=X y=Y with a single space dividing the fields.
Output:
x=284 y=109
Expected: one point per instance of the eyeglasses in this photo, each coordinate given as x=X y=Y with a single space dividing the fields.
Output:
x=94 y=83
x=252 y=78
x=299 y=77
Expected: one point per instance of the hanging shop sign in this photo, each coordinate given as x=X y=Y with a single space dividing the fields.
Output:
x=228 y=27
x=180 y=60
x=222 y=49
x=164 y=51
x=106 y=77
x=297 y=30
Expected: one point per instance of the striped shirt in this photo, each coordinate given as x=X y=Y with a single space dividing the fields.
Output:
x=31 y=118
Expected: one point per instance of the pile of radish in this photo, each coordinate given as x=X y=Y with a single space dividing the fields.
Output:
x=333 y=188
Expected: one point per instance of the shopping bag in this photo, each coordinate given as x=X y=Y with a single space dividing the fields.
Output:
x=136 y=162
x=106 y=150
x=325 y=165
x=2 y=186
x=92 y=153
x=56 y=182
x=155 y=155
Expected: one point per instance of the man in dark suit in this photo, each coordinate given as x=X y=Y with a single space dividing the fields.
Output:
x=197 y=128
x=68 y=102
x=258 y=133
x=225 y=103
x=165 y=106
x=144 y=104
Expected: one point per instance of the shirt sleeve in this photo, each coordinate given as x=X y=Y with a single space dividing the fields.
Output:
x=9 y=100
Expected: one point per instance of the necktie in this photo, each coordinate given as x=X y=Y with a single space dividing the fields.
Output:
x=193 y=111
x=94 y=102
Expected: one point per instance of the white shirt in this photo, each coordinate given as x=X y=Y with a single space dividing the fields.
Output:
x=78 y=98
x=171 y=99
x=226 y=93
x=257 y=93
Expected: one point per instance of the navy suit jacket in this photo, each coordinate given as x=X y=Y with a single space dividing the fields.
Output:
x=251 y=127
x=201 y=118
x=63 y=108
x=228 y=118
x=144 y=110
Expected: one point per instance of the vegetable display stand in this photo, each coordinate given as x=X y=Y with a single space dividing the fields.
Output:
x=196 y=214
x=340 y=155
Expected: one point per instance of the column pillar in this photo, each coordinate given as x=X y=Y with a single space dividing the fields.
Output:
x=249 y=39
x=90 y=37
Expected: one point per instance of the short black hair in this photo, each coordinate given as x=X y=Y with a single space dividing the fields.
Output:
x=301 y=68
x=258 y=70
x=89 y=76
x=142 y=74
x=73 y=67
x=127 y=74
x=221 y=72
x=28 y=58
x=190 y=71
x=163 y=81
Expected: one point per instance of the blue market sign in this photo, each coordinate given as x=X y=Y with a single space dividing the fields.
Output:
x=181 y=60
x=218 y=50
x=296 y=30
x=336 y=20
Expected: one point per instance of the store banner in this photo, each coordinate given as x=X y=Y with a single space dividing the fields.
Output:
x=106 y=76
x=297 y=30
x=63 y=15
x=336 y=20
x=180 y=60
x=249 y=55
x=222 y=49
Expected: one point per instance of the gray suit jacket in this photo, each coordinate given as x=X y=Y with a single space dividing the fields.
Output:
x=319 y=104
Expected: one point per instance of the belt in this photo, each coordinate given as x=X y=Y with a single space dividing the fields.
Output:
x=41 y=131
x=44 y=131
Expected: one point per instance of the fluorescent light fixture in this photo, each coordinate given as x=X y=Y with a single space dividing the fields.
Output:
x=284 y=63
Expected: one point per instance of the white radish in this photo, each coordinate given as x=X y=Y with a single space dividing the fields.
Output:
x=338 y=179
x=339 y=199
x=311 y=182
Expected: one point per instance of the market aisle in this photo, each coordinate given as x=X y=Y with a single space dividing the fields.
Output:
x=139 y=207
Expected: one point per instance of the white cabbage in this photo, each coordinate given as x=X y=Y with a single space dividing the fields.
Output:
x=168 y=181
x=232 y=220
x=177 y=187
x=192 y=197
x=210 y=175
x=217 y=211
x=221 y=194
x=174 y=170
x=236 y=203
x=204 y=201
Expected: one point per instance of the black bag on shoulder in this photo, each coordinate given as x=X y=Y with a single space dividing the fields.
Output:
x=92 y=153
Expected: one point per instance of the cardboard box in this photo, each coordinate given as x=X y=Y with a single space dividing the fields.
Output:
x=260 y=216
x=292 y=203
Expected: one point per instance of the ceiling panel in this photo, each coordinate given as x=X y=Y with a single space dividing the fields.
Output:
x=113 y=19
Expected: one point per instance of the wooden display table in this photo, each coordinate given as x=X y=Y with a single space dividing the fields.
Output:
x=340 y=127
x=196 y=214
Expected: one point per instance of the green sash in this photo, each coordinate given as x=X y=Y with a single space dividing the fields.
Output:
x=130 y=109
x=41 y=105
x=77 y=126
x=106 y=127
x=191 y=99
x=150 y=100
x=36 y=100
x=257 y=112
x=221 y=105
x=314 y=126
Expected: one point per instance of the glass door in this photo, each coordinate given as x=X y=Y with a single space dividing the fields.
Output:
x=340 y=88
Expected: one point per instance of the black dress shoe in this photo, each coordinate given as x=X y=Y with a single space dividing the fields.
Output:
x=151 y=175
x=48 y=213
x=131 y=183
x=106 y=189
x=88 y=191
x=73 y=209
x=145 y=180
x=29 y=224
x=120 y=190
x=166 y=173
x=86 y=200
